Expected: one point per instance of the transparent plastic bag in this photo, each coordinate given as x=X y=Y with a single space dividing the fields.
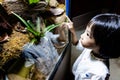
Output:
x=43 y=54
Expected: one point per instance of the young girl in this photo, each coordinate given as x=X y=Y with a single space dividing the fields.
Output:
x=100 y=42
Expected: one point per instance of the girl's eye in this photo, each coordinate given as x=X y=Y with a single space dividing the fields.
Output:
x=88 y=34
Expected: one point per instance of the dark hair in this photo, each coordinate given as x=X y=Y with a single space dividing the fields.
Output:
x=106 y=32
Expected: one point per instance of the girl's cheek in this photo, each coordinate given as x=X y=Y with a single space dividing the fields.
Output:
x=83 y=43
x=82 y=36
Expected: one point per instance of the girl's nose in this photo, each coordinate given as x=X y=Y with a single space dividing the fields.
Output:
x=81 y=36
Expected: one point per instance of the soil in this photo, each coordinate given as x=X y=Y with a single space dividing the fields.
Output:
x=12 y=48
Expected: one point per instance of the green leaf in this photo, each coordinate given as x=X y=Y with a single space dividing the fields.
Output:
x=21 y=19
x=33 y=1
x=51 y=27
x=27 y=24
x=33 y=40
x=38 y=25
x=30 y=24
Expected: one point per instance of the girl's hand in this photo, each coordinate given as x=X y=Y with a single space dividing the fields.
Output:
x=70 y=26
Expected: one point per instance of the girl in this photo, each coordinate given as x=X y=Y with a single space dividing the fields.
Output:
x=100 y=42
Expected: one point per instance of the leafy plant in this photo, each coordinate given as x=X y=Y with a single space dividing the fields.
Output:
x=37 y=30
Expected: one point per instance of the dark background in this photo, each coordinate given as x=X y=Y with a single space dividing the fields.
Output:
x=79 y=7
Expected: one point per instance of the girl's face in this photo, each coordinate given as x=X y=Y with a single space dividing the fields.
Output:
x=87 y=39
